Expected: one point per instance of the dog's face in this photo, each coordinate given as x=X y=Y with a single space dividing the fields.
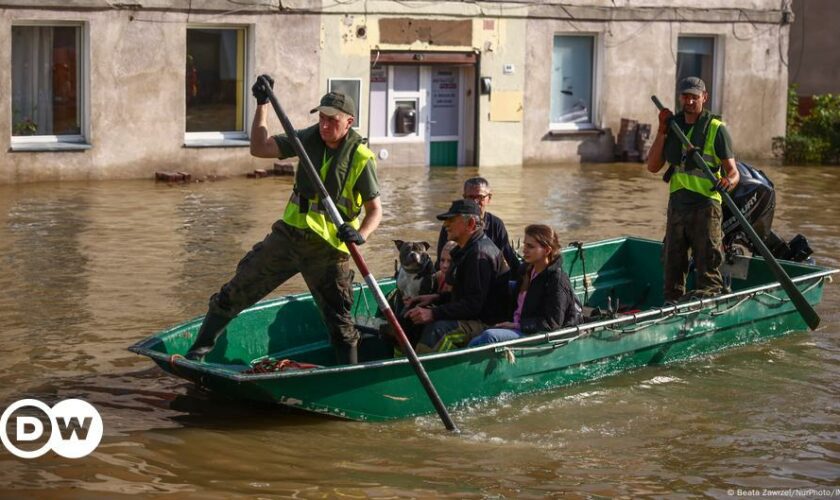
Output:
x=414 y=255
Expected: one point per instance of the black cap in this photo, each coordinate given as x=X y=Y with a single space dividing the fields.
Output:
x=692 y=85
x=461 y=207
x=334 y=103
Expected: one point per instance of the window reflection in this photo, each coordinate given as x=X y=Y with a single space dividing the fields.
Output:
x=214 y=79
x=45 y=80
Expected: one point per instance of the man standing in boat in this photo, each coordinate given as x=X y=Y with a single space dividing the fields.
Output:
x=694 y=206
x=304 y=240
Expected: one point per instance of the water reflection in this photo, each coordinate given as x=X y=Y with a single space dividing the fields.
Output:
x=87 y=269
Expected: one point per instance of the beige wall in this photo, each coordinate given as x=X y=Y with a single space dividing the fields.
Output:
x=637 y=60
x=136 y=99
x=500 y=142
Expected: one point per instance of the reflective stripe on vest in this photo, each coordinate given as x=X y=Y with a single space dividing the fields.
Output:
x=695 y=179
x=349 y=204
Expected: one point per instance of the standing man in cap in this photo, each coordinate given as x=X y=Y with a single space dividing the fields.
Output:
x=304 y=240
x=479 y=278
x=694 y=206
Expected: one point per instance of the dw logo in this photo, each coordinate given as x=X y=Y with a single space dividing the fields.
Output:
x=75 y=428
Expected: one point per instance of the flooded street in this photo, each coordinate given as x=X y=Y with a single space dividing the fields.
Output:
x=87 y=269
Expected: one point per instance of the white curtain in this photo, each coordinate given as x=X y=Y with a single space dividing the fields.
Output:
x=32 y=93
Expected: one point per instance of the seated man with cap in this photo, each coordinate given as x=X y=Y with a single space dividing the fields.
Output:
x=478 y=276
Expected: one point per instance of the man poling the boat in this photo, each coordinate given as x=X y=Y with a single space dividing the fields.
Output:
x=305 y=240
x=694 y=205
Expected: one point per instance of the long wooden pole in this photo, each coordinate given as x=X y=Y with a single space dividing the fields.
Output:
x=336 y=219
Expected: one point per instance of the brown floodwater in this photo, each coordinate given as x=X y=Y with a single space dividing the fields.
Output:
x=87 y=269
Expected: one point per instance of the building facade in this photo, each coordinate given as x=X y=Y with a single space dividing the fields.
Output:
x=101 y=89
x=814 y=54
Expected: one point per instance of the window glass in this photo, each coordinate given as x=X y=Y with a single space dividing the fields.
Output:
x=406 y=78
x=571 y=79
x=45 y=80
x=378 y=101
x=444 y=107
x=695 y=57
x=404 y=119
x=215 y=76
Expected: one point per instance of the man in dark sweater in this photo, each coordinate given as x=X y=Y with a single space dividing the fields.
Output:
x=479 y=279
x=478 y=190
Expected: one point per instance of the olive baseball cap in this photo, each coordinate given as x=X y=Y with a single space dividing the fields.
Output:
x=461 y=207
x=692 y=85
x=334 y=103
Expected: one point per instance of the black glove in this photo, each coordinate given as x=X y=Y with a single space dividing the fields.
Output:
x=348 y=234
x=260 y=91
x=723 y=184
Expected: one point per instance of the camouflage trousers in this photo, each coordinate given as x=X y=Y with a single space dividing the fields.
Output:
x=446 y=335
x=283 y=253
x=698 y=232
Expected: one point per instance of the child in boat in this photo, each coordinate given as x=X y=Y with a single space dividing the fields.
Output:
x=544 y=298
x=445 y=260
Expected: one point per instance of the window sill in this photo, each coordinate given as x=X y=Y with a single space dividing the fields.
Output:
x=575 y=132
x=48 y=147
x=217 y=143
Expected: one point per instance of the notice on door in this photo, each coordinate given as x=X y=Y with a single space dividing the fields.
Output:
x=444 y=103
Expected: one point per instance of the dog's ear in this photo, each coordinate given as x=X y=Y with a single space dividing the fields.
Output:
x=399 y=243
x=425 y=244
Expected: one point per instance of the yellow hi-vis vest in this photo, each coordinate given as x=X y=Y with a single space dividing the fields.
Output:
x=693 y=178
x=349 y=204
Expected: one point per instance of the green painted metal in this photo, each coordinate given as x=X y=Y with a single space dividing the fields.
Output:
x=443 y=154
x=624 y=271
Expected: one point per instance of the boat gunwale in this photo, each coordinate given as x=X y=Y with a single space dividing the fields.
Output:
x=562 y=335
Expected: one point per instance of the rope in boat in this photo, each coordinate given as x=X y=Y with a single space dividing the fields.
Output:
x=269 y=365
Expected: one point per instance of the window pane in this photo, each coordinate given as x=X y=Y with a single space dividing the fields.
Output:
x=45 y=80
x=352 y=88
x=695 y=57
x=444 y=106
x=215 y=77
x=404 y=119
x=571 y=79
x=406 y=78
x=378 y=101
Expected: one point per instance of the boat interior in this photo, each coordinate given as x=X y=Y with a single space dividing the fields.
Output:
x=611 y=277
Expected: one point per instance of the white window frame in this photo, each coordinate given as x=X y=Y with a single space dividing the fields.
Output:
x=235 y=138
x=717 y=66
x=68 y=141
x=357 y=124
x=597 y=49
x=421 y=96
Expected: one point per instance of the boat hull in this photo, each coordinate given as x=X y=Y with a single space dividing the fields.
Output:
x=385 y=389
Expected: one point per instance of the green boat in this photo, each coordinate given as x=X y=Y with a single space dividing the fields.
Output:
x=622 y=279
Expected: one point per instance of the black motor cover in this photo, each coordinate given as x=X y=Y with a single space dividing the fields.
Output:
x=755 y=196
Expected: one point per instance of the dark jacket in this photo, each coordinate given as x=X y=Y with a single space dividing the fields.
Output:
x=495 y=229
x=550 y=303
x=479 y=277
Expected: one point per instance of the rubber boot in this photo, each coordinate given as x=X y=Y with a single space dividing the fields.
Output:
x=347 y=354
x=212 y=327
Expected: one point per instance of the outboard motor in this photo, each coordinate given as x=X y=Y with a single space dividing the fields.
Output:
x=755 y=196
